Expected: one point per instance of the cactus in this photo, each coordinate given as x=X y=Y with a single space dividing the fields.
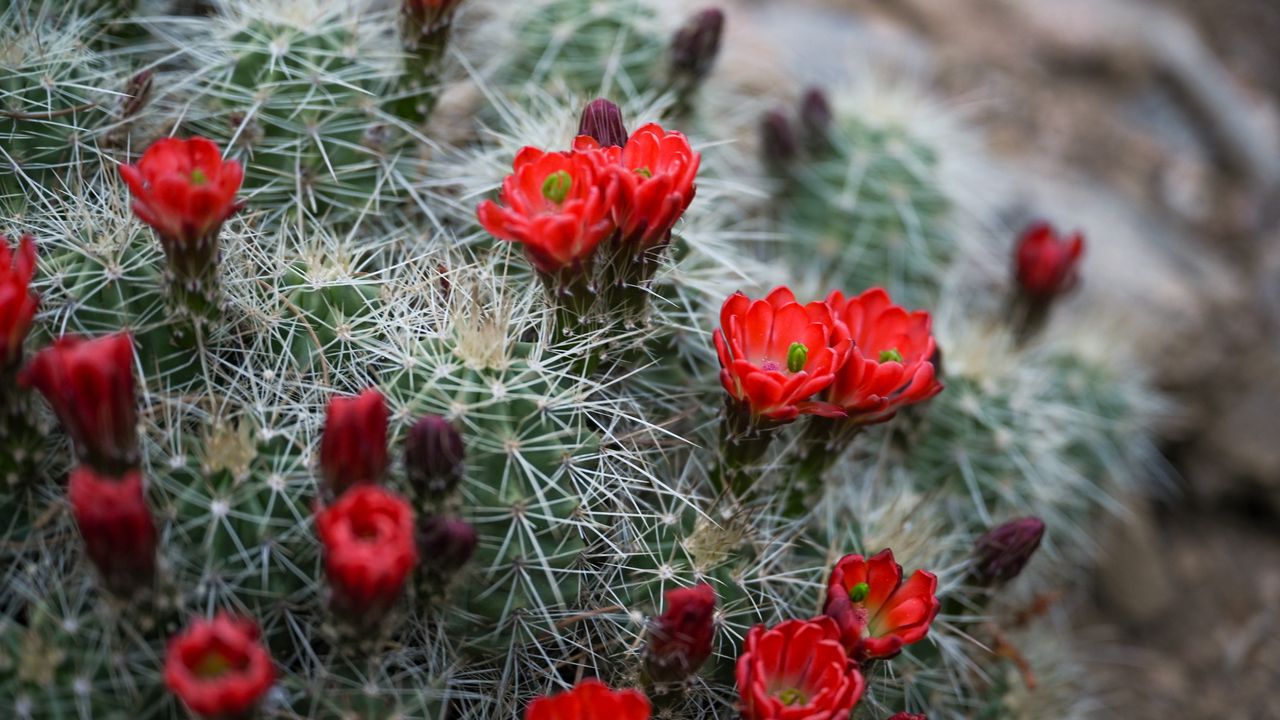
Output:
x=590 y=458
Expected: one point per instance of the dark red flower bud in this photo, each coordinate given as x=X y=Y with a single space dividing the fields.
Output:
x=1000 y=555
x=909 y=716
x=369 y=550
x=696 y=45
x=447 y=543
x=429 y=15
x=602 y=122
x=816 y=119
x=353 y=448
x=680 y=638
x=137 y=94
x=433 y=457
x=218 y=668
x=89 y=384
x=1045 y=263
x=17 y=303
x=778 y=141
x=117 y=528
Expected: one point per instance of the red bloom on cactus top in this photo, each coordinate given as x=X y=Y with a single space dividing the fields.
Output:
x=876 y=611
x=17 y=303
x=218 y=668
x=655 y=170
x=890 y=365
x=353 y=448
x=680 y=638
x=184 y=189
x=116 y=525
x=557 y=205
x=775 y=354
x=1045 y=263
x=797 y=670
x=369 y=548
x=89 y=384
x=590 y=700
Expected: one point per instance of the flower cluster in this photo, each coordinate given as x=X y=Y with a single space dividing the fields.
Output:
x=561 y=206
x=218 y=668
x=813 y=668
x=17 y=303
x=858 y=358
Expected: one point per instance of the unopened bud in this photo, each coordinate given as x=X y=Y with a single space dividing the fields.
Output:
x=433 y=457
x=680 y=638
x=778 y=140
x=696 y=45
x=447 y=543
x=816 y=119
x=137 y=94
x=1002 y=553
x=602 y=121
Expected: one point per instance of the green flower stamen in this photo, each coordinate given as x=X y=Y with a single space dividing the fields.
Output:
x=859 y=592
x=890 y=355
x=556 y=187
x=797 y=356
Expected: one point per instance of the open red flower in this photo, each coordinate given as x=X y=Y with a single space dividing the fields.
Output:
x=353 y=448
x=876 y=611
x=556 y=204
x=590 y=700
x=655 y=170
x=890 y=366
x=680 y=638
x=797 y=670
x=89 y=384
x=775 y=354
x=1045 y=263
x=369 y=549
x=116 y=525
x=218 y=668
x=184 y=189
x=17 y=303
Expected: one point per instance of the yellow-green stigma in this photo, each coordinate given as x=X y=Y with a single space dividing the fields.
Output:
x=797 y=356
x=556 y=187
x=890 y=355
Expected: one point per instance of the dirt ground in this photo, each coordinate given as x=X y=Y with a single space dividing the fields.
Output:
x=1168 y=108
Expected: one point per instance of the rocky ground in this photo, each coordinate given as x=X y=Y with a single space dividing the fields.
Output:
x=1158 y=120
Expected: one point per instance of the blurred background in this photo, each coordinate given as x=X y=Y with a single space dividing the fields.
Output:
x=1152 y=126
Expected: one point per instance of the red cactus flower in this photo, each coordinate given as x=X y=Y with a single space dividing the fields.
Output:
x=353 y=448
x=184 y=189
x=1045 y=263
x=775 y=354
x=90 y=385
x=369 y=549
x=556 y=205
x=656 y=170
x=876 y=611
x=680 y=638
x=218 y=668
x=17 y=303
x=890 y=366
x=590 y=700
x=118 y=531
x=797 y=670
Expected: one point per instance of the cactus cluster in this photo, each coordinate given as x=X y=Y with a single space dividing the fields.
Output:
x=602 y=464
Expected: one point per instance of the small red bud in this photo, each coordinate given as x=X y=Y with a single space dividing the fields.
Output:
x=447 y=543
x=433 y=457
x=778 y=141
x=17 y=303
x=116 y=525
x=696 y=45
x=680 y=638
x=353 y=449
x=602 y=121
x=816 y=119
x=1001 y=554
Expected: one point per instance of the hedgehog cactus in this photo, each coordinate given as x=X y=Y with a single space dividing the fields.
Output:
x=553 y=471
